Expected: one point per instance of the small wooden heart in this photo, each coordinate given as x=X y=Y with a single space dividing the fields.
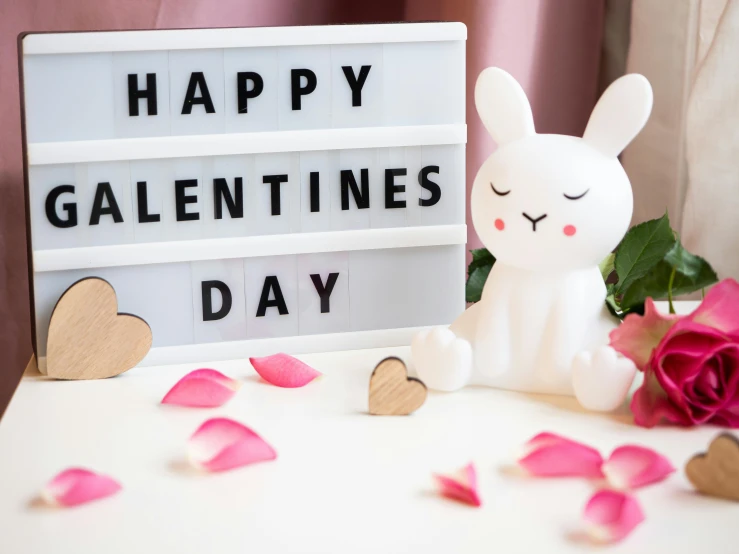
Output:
x=89 y=339
x=716 y=472
x=392 y=392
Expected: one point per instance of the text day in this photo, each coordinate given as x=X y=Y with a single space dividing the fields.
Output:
x=270 y=297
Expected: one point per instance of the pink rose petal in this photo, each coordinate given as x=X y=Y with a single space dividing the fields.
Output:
x=550 y=455
x=632 y=466
x=461 y=486
x=650 y=403
x=76 y=486
x=718 y=308
x=611 y=515
x=638 y=335
x=284 y=371
x=202 y=388
x=220 y=444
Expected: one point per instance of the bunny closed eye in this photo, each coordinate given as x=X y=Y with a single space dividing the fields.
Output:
x=576 y=196
x=498 y=192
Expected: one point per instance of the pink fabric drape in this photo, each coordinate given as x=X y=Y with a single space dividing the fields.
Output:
x=551 y=47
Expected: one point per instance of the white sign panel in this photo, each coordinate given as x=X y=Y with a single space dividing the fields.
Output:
x=249 y=191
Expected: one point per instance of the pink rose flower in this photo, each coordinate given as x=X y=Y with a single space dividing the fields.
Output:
x=690 y=363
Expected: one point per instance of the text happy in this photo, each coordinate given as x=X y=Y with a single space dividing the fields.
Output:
x=249 y=85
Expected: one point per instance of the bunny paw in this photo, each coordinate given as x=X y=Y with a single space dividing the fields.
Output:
x=443 y=361
x=602 y=379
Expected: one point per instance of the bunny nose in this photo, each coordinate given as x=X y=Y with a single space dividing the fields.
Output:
x=534 y=221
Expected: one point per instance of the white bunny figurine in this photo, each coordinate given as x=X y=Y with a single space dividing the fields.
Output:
x=549 y=208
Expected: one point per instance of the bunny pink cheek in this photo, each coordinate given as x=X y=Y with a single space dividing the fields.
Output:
x=570 y=230
x=499 y=224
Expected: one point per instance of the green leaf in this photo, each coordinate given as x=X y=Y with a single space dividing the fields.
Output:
x=653 y=285
x=481 y=254
x=643 y=247
x=692 y=273
x=689 y=265
x=481 y=257
x=476 y=282
x=607 y=266
x=478 y=270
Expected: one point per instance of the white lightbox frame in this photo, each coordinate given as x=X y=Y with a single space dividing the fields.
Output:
x=162 y=147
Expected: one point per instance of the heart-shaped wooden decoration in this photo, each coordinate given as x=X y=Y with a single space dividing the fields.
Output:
x=392 y=392
x=89 y=339
x=717 y=471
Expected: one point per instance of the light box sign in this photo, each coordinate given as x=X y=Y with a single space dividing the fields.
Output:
x=250 y=191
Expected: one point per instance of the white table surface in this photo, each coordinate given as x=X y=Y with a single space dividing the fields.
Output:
x=344 y=481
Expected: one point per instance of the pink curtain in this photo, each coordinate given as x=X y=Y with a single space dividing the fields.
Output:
x=551 y=47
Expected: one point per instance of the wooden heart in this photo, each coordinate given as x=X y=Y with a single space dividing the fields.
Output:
x=392 y=392
x=717 y=471
x=89 y=339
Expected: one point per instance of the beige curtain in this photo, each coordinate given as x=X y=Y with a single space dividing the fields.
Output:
x=687 y=158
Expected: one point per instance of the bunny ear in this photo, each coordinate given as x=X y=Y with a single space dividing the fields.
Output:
x=503 y=106
x=620 y=114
